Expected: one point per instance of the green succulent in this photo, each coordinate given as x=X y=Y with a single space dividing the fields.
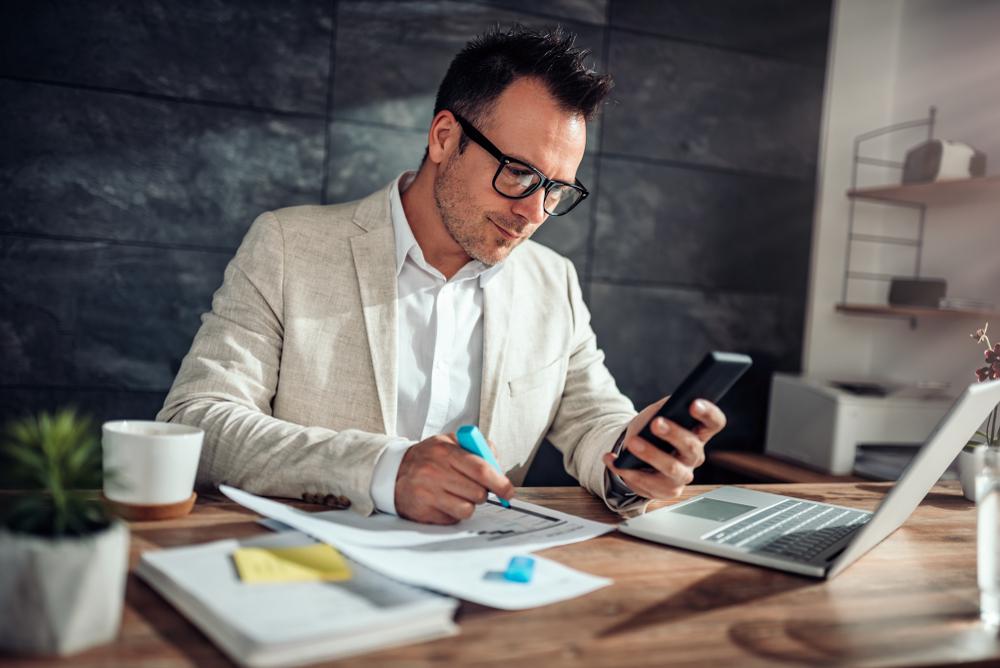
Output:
x=57 y=460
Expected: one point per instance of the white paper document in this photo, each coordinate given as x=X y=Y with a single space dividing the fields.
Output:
x=460 y=560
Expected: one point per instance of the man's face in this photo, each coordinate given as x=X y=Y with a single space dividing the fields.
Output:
x=527 y=125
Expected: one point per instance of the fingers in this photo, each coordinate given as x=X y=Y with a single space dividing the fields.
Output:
x=711 y=418
x=689 y=446
x=650 y=483
x=435 y=516
x=440 y=483
x=478 y=470
x=671 y=471
x=421 y=503
x=483 y=473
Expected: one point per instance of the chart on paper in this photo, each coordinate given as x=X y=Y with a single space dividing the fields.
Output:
x=492 y=525
x=502 y=521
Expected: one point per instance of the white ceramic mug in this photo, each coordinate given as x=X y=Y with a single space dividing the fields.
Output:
x=150 y=463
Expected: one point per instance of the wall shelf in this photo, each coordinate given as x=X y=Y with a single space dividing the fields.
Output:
x=914 y=196
x=939 y=192
x=913 y=312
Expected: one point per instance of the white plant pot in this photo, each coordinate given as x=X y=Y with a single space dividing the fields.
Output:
x=970 y=463
x=61 y=596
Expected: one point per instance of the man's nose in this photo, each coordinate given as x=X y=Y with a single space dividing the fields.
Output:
x=531 y=208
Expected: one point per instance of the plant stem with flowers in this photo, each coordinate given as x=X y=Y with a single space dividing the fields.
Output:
x=989 y=372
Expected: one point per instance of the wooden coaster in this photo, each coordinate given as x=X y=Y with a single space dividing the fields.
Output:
x=140 y=513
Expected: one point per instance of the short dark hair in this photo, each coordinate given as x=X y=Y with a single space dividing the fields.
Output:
x=490 y=63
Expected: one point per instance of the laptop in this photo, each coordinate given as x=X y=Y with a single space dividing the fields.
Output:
x=805 y=537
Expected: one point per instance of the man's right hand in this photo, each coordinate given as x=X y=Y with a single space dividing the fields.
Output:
x=440 y=483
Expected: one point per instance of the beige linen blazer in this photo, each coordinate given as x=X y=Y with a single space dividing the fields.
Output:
x=292 y=375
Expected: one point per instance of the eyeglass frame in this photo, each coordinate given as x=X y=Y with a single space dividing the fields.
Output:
x=484 y=143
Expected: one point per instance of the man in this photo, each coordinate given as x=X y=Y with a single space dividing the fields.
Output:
x=348 y=343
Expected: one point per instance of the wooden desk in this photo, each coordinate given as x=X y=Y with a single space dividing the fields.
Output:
x=911 y=601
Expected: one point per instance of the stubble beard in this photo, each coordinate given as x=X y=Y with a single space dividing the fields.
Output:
x=469 y=226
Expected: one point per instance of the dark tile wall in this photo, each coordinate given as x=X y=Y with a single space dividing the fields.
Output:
x=139 y=141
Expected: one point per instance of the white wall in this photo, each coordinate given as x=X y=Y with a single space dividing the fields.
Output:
x=890 y=61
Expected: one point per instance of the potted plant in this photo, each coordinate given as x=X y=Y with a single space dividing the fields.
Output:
x=63 y=559
x=972 y=459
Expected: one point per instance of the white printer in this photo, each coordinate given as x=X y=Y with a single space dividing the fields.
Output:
x=821 y=423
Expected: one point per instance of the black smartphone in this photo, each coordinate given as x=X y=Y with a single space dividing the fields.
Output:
x=710 y=380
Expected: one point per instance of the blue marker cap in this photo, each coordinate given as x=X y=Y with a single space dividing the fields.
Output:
x=471 y=439
x=520 y=569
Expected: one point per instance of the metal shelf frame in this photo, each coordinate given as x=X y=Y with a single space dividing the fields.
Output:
x=918 y=242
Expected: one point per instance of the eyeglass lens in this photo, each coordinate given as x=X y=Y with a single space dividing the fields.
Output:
x=515 y=179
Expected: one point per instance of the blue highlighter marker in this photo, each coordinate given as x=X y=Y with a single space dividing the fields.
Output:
x=471 y=439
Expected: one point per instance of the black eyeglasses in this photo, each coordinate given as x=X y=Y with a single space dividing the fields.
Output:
x=516 y=180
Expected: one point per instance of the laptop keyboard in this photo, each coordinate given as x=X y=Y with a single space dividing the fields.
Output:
x=793 y=529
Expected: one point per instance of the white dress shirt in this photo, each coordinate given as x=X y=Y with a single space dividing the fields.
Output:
x=440 y=348
x=440 y=353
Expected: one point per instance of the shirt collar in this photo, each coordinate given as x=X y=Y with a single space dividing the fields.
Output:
x=407 y=246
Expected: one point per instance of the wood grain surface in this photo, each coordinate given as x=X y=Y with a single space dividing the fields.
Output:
x=911 y=601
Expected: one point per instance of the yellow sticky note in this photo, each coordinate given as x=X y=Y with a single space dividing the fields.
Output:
x=292 y=564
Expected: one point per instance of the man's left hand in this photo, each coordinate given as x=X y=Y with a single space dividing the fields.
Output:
x=670 y=472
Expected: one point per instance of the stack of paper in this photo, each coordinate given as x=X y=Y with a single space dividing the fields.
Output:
x=292 y=623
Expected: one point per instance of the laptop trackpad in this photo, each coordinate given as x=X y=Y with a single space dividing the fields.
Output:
x=712 y=509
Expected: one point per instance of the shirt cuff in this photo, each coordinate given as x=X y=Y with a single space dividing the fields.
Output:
x=616 y=487
x=383 y=487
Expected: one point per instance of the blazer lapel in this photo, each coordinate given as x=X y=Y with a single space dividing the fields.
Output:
x=375 y=263
x=498 y=303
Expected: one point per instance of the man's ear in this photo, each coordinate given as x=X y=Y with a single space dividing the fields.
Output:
x=443 y=137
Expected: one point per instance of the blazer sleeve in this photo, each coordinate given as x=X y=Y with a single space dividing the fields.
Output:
x=229 y=378
x=592 y=411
